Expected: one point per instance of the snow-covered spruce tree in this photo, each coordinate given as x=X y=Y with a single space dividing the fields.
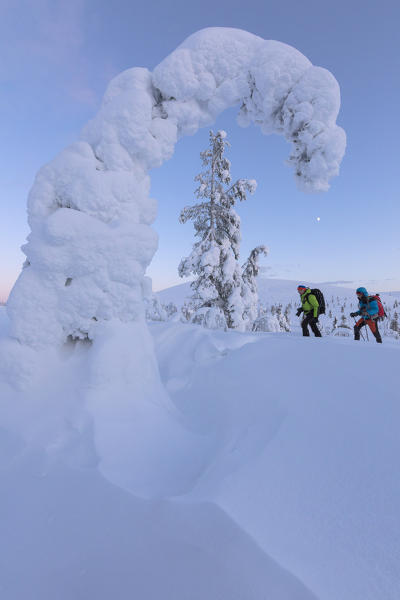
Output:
x=250 y=271
x=213 y=261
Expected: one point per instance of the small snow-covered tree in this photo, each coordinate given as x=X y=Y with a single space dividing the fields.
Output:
x=284 y=322
x=272 y=318
x=394 y=323
x=250 y=271
x=155 y=311
x=187 y=311
x=267 y=322
x=214 y=258
x=170 y=309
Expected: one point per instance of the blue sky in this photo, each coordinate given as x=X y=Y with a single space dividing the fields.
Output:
x=58 y=56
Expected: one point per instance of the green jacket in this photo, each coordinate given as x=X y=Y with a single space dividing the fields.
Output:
x=309 y=302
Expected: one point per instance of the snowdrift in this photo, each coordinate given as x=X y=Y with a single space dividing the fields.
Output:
x=303 y=448
x=69 y=534
x=271 y=472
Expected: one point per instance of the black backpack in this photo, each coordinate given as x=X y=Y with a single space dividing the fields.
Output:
x=320 y=299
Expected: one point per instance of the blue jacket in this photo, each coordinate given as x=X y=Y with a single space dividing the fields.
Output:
x=366 y=308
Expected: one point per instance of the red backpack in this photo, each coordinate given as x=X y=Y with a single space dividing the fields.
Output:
x=381 y=310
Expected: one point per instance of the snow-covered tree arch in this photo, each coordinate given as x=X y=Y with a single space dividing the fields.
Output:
x=89 y=209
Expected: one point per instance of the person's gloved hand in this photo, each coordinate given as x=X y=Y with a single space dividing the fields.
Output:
x=299 y=311
x=313 y=320
x=354 y=314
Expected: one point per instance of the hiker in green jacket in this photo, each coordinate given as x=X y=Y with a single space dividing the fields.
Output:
x=309 y=306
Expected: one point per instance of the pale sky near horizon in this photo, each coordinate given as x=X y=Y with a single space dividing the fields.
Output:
x=58 y=56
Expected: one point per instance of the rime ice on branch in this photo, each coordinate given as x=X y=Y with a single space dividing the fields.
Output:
x=89 y=209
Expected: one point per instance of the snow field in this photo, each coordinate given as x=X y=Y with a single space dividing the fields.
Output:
x=268 y=467
x=303 y=453
x=69 y=534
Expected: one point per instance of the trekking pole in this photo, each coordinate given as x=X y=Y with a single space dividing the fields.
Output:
x=366 y=330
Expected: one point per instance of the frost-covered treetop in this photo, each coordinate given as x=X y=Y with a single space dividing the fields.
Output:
x=89 y=209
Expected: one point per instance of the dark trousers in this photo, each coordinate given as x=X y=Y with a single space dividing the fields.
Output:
x=314 y=327
x=373 y=325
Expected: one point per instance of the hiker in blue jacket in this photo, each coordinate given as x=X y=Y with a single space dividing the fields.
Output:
x=368 y=310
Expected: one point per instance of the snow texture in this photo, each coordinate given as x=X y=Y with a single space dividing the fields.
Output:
x=271 y=474
x=302 y=448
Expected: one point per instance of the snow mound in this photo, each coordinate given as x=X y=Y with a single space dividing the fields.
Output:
x=71 y=534
x=279 y=449
x=302 y=451
x=100 y=407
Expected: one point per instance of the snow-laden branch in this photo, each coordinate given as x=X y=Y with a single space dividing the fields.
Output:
x=276 y=87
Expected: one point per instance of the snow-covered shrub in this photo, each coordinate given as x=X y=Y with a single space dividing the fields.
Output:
x=283 y=318
x=343 y=331
x=210 y=318
x=272 y=318
x=394 y=323
x=187 y=312
x=170 y=309
x=155 y=311
x=267 y=322
x=391 y=325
